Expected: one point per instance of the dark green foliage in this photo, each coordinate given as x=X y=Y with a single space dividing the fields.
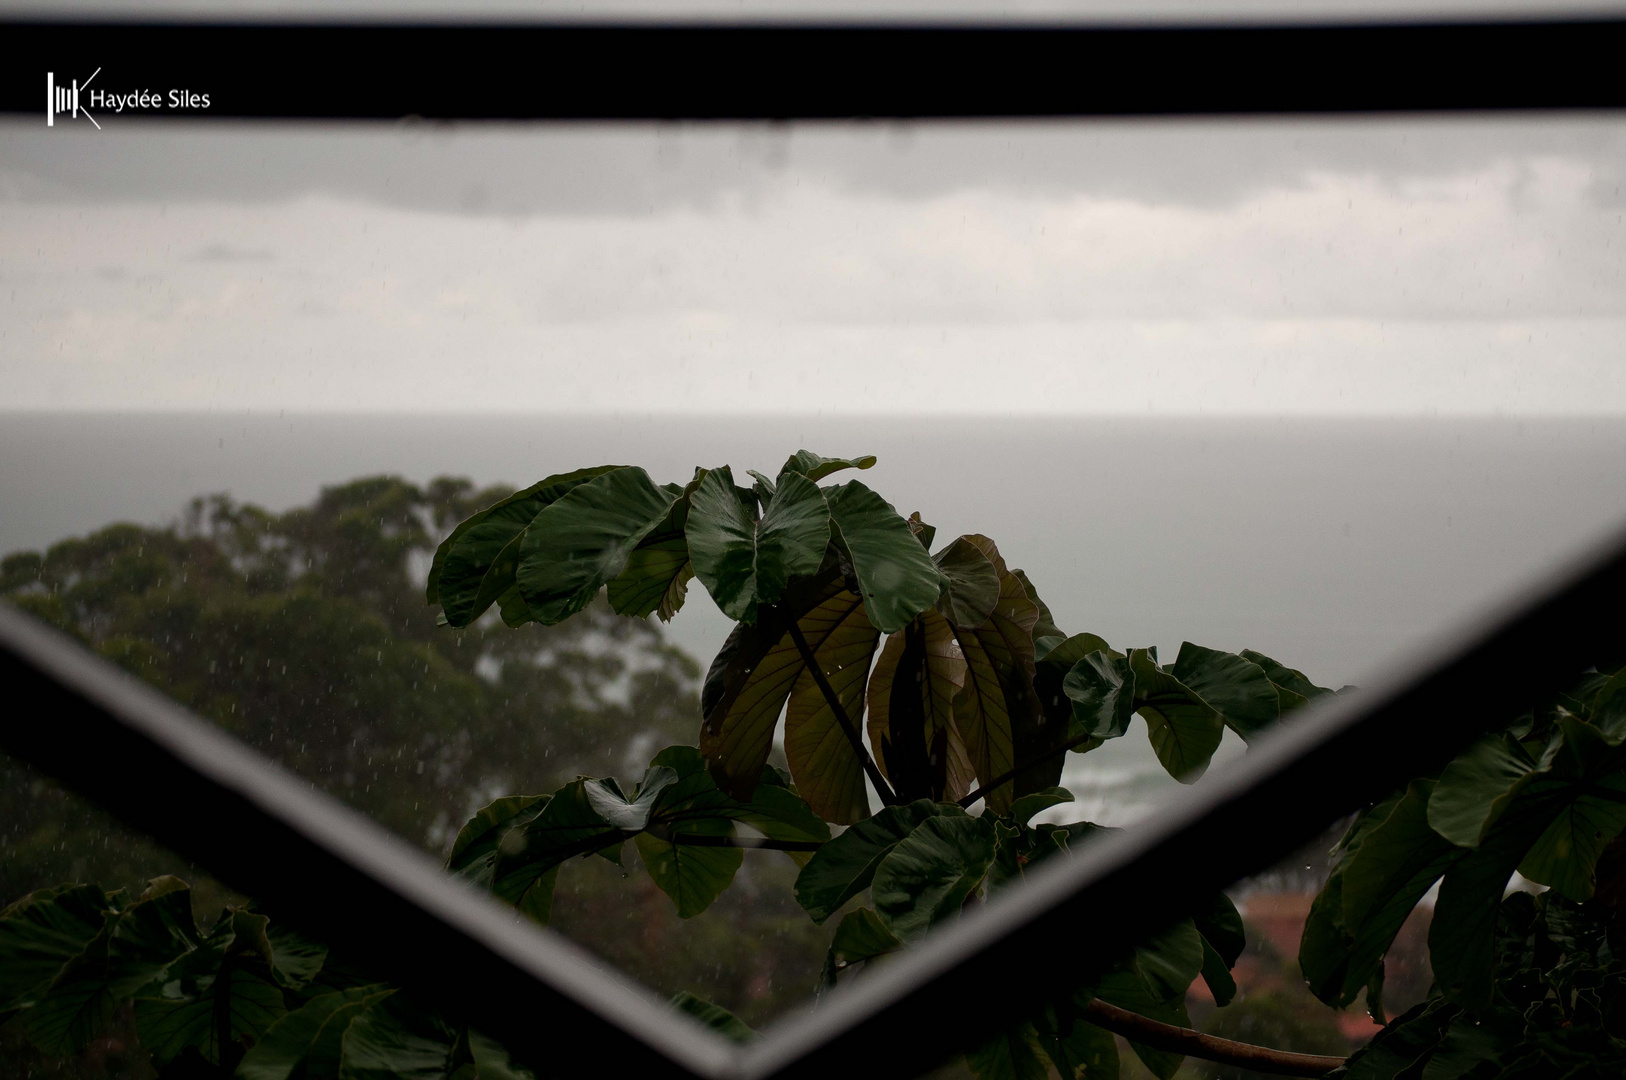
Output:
x=1526 y=986
x=974 y=697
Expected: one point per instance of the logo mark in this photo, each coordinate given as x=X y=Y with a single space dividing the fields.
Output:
x=65 y=99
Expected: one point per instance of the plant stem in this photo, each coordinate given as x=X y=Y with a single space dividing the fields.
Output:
x=1179 y=1040
x=702 y=840
x=888 y=796
x=1008 y=776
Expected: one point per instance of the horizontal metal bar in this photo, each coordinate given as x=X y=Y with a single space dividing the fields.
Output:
x=565 y=71
x=328 y=869
x=1001 y=962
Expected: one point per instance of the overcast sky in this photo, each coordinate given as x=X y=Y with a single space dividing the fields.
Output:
x=1329 y=266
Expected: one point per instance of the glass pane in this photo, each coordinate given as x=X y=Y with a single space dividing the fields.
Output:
x=1314 y=388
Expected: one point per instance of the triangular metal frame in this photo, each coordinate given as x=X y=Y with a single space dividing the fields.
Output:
x=183 y=782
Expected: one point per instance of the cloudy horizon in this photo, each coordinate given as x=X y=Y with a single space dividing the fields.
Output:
x=1305 y=267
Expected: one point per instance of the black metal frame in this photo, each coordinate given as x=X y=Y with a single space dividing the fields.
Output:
x=270 y=834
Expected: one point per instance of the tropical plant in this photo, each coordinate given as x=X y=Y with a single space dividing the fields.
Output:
x=974 y=697
x=1526 y=986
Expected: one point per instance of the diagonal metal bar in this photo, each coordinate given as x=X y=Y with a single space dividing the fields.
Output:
x=517 y=70
x=188 y=785
x=326 y=868
x=997 y=965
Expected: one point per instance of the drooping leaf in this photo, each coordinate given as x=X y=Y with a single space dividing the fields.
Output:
x=296 y=960
x=1014 y=1054
x=1185 y=730
x=927 y=876
x=1221 y=925
x=714 y=1017
x=466 y=567
x=1046 y=633
x=1608 y=708
x=844 y=867
x=394 y=1039
x=1102 y=688
x=655 y=580
x=692 y=875
x=230 y=970
x=1543 y=828
x=860 y=937
x=491 y=1060
x=1078 y=1049
x=970 y=584
x=1298 y=688
x=816 y=468
x=753 y=675
x=289 y=1042
x=1054 y=658
x=779 y=813
x=999 y=714
x=1390 y=860
x=1236 y=688
x=131 y=950
x=1403 y=1044
x=1023 y=809
x=898 y=579
x=582 y=540
x=1473 y=788
x=828 y=771
x=911 y=711
x=475 y=851
x=528 y=854
x=42 y=932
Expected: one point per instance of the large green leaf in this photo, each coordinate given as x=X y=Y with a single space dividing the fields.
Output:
x=40 y=933
x=467 y=573
x=475 y=851
x=999 y=713
x=1079 y=1049
x=1473 y=788
x=1400 y=1049
x=290 y=1041
x=1014 y=1054
x=1238 y=689
x=860 y=937
x=1102 y=688
x=898 y=579
x=231 y=971
x=657 y=575
x=393 y=1039
x=1577 y=785
x=816 y=468
x=296 y=960
x=714 y=1017
x=1185 y=730
x=692 y=875
x=844 y=867
x=529 y=854
x=828 y=771
x=745 y=562
x=1386 y=866
x=1293 y=690
x=911 y=698
x=1023 y=809
x=1223 y=941
x=1046 y=634
x=927 y=876
x=1608 y=708
x=583 y=539
x=130 y=951
x=970 y=584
